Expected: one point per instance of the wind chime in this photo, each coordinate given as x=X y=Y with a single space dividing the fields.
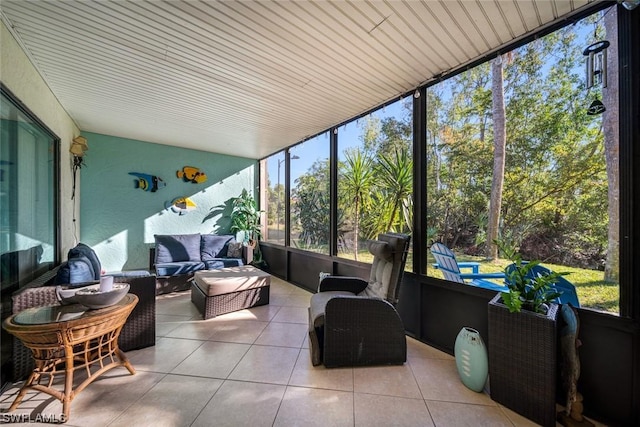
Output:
x=596 y=68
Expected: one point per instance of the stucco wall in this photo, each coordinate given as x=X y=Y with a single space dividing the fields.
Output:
x=119 y=221
x=21 y=78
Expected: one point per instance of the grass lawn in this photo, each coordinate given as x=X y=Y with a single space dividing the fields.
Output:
x=593 y=291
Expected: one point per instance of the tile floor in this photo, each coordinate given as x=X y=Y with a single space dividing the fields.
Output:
x=252 y=368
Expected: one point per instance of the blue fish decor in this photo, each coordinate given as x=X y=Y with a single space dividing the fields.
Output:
x=147 y=182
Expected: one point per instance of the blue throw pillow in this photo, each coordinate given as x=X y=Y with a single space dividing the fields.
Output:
x=211 y=245
x=75 y=271
x=83 y=250
x=177 y=248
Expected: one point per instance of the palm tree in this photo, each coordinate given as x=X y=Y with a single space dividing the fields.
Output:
x=397 y=179
x=358 y=178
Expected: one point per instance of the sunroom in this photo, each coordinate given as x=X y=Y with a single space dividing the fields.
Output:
x=287 y=100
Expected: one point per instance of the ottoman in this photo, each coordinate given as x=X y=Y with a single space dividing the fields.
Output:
x=216 y=292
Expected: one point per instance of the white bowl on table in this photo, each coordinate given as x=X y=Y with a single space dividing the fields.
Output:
x=92 y=297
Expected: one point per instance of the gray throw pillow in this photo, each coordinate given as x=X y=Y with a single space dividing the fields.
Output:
x=234 y=250
x=177 y=248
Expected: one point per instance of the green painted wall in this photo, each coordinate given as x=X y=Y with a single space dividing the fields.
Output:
x=119 y=221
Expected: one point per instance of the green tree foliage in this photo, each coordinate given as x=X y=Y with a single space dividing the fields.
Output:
x=357 y=179
x=310 y=209
x=555 y=185
x=396 y=186
x=375 y=187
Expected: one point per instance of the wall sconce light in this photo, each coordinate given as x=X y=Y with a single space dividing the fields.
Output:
x=79 y=146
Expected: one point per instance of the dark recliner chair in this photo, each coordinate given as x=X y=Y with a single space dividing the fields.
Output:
x=353 y=322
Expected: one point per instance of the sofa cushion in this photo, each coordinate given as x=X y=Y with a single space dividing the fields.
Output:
x=212 y=246
x=175 y=268
x=82 y=250
x=75 y=271
x=128 y=274
x=217 y=263
x=177 y=248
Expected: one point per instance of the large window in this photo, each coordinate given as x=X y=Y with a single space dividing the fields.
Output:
x=375 y=178
x=28 y=188
x=556 y=198
x=310 y=194
x=274 y=230
x=521 y=149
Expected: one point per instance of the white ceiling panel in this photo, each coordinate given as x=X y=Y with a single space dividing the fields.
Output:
x=248 y=78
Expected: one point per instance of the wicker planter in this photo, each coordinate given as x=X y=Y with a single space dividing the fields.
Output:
x=522 y=361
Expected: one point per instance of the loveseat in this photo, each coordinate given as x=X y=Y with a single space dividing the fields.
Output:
x=176 y=257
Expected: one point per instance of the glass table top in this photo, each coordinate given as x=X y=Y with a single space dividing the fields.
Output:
x=49 y=314
x=62 y=313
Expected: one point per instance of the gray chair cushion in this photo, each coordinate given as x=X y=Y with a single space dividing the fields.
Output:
x=379 y=280
x=177 y=248
x=212 y=246
x=381 y=249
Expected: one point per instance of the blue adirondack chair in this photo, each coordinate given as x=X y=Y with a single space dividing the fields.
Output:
x=446 y=262
x=568 y=290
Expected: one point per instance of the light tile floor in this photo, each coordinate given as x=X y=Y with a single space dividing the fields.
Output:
x=252 y=368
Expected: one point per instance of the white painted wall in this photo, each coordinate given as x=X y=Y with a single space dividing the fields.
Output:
x=19 y=75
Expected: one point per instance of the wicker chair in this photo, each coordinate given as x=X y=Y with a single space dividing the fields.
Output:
x=138 y=332
x=354 y=322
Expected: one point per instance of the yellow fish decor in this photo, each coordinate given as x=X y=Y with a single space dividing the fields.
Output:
x=182 y=205
x=192 y=174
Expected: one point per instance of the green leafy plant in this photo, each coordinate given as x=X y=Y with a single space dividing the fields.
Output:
x=527 y=290
x=245 y=217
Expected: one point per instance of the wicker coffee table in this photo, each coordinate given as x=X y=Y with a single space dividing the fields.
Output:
x=216 y=292
x=64 y=339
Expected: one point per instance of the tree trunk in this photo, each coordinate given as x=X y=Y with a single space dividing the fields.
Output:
x=610 y=120
x=499 y=143
x=356 y=227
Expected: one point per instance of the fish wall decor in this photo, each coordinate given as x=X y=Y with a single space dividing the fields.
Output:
x=192 y=174
x=182 y=205
x=147 y=182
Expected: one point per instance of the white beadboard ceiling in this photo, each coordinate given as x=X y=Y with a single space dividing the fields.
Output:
x=248 y=78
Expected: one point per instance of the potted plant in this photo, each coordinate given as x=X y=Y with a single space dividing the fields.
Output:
x=245 y=222
x=523 y=341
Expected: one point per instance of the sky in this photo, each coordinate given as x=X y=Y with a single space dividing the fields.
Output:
x=318 y=147
x=349 y=135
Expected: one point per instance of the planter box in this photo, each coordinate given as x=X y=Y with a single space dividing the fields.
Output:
x=522 y=361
